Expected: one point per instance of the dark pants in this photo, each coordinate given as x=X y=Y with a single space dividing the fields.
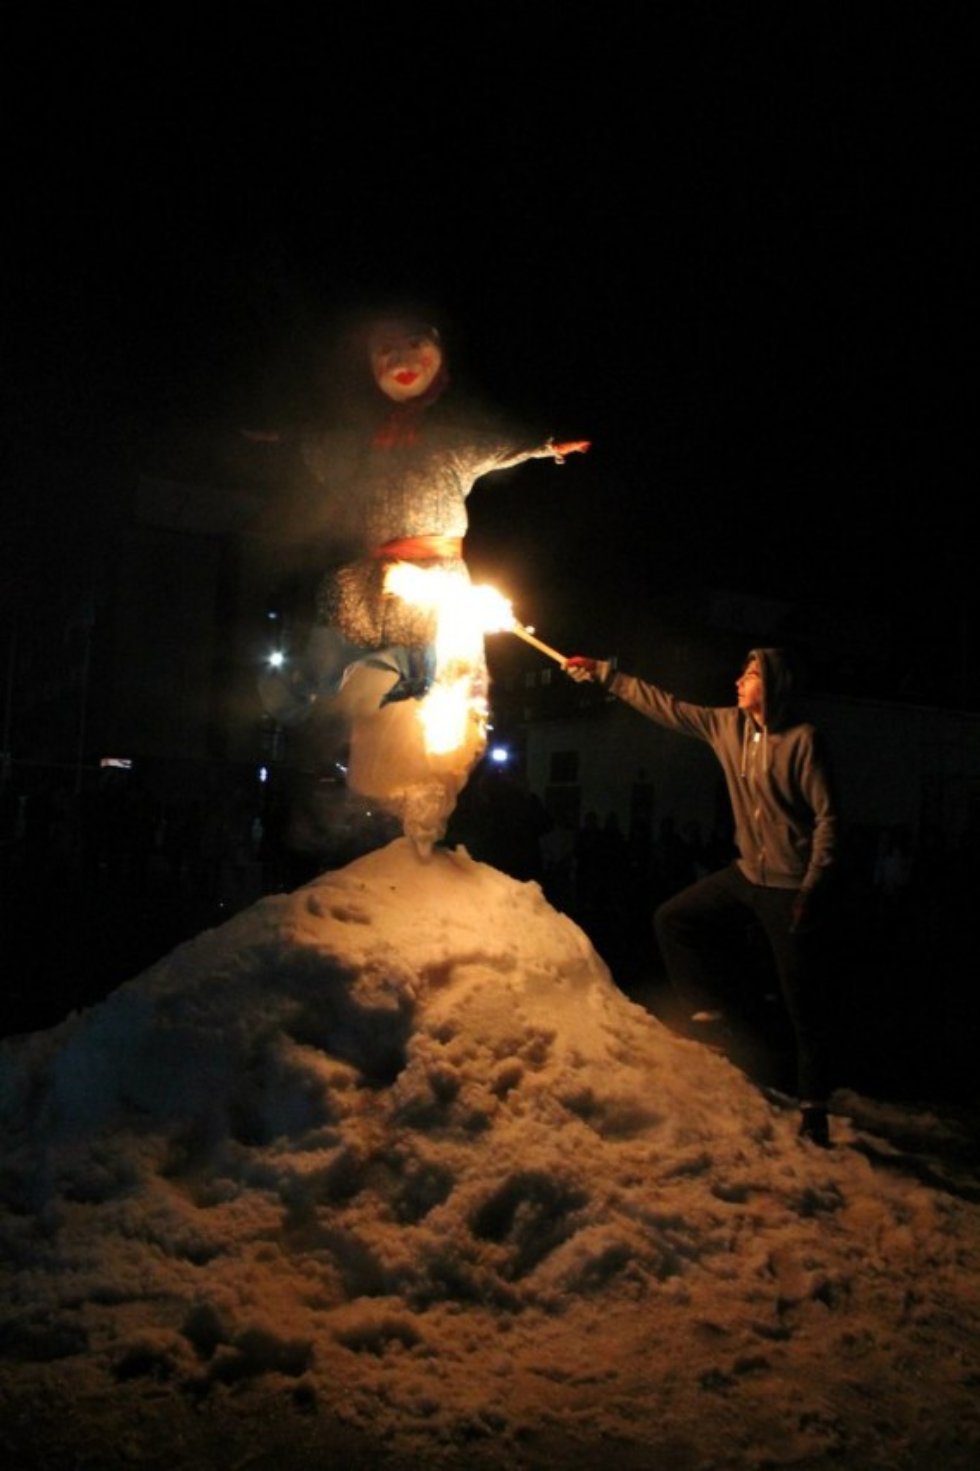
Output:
x=690 y=929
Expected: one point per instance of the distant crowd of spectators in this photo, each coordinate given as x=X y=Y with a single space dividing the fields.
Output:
x=115 y=849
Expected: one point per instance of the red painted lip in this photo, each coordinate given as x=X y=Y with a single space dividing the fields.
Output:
x=405 y=376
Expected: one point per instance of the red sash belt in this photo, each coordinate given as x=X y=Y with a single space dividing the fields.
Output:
x=419 y=549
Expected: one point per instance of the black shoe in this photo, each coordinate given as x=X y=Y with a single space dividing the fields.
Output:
x=416 y=670
x=405 y=688
x=813 y=1125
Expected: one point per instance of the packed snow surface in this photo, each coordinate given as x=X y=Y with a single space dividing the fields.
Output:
x=387 y=1172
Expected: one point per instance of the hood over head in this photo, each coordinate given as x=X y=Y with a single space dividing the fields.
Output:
x=776 y=667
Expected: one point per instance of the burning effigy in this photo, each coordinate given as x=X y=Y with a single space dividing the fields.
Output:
x=397 y=641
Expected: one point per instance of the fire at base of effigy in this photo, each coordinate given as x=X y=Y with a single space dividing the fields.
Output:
x=414 y=757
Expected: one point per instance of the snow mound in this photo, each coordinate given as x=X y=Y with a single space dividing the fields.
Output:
x=394 y=1152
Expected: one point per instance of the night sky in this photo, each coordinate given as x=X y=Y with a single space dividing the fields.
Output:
x=728 y=244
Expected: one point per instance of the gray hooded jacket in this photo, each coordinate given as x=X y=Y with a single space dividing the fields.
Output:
x=777 y=774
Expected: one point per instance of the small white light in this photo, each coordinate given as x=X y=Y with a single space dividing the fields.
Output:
x=500 y=755
x=277 y=659
x=263 y=773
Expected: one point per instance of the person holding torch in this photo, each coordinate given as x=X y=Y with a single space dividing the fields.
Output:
x=786 y=821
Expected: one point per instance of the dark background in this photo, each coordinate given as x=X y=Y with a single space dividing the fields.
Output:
x=731 y=245
x=728 y=245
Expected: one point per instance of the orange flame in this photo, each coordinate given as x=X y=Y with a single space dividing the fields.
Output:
x=464 y=613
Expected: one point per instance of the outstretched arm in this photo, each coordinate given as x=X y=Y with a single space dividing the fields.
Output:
x=656 y=704
x=489 y=451
x=569 y=447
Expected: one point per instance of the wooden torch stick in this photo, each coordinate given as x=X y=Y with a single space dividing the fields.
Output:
x=536 y=643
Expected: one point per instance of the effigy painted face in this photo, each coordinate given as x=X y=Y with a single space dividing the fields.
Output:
x=404 y=364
